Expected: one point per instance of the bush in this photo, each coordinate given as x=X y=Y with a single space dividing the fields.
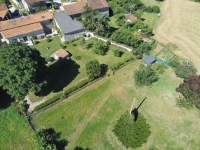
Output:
x=185 y=69
x=108 y=43
x=63 y=46
x=49 y=101
x=116 y=66
x=183 y=102
x=78 y=57
x=156 y=9
x=49 y=40
x=148 y=9
x=174 y=63
x=74 y=44
x=117 y=52
x=128 y=59
x=132 y=133
x=84 y=35
x=35 y=42
x=82 y=83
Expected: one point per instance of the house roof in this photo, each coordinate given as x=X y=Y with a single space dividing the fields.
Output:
x=22 y=30
x=61 y=53
x=3 y=10
x=77 y=8
x=66 y=23
x=33 y=1
x=130 y=17
x=23 y=21
x=149 y=59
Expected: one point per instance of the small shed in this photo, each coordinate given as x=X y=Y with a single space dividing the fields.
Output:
x=149 y=60
x=60 y=54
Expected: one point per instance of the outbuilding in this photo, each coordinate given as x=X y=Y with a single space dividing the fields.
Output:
x=149 y=60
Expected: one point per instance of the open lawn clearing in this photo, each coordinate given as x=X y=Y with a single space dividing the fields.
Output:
x=151 y=3
x=171 y=127
x=76 y=70
x=15 y=132
x=180 y=25
x=151 y=19
x=42 y=46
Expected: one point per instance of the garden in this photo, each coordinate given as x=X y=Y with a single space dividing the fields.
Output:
x=89 y=117
x=75 y=71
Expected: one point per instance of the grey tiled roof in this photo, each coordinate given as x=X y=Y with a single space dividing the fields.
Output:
x=66 y=23
x=149 y=59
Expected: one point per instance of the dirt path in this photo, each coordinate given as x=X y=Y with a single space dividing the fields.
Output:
x=180 y=25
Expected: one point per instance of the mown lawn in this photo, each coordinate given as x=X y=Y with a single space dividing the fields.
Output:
x=87 y=118
x=42 y=46
x=112 y=22
x=151 y=19
x=76 y=71
x=15 y=132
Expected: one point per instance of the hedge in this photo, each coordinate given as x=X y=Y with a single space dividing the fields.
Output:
x=116 y=66
x=49 y=101
x=70 y=90
x=128 y=59
x=84 y=82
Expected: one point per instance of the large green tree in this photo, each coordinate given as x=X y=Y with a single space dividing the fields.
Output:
x=93 y=69
x=22 y=69
x=145 y=76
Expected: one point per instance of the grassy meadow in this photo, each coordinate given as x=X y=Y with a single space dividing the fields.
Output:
x=86 y=119
x=15 y=132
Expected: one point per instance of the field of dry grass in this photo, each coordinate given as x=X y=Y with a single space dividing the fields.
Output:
x=180 y=26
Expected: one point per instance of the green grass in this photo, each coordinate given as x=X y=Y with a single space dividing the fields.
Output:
x=87 y=118
x=42 y=46
x=113 y=23
x=76 y=71
x=151 y=19
x=15 y=132
x=72 y=112
x=95 y=130
x=151 y=3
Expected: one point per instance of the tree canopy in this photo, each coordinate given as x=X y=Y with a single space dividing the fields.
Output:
x=22 y=69
x=93 y=69
x=99 y=48
x=185 y=69
x=145 y=76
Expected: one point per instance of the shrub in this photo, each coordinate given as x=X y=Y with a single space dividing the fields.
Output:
x=84 y=35
x=128 y=59
x=63 y=46
x=66 y=42
x=148 y=9
x=117 y=52
x=74 y=44
x=185 y=69
x=116 y=66
x=49 y=101
x=82 y=83
x=156 y=9
x=49 y=39
x=183 y=102
x=108 y=43
x=35 y=42
x=78 y=57
x=174 y=63
x=132 y=133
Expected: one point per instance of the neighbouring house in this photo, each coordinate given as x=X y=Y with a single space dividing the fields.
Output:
x=130 y=17
x=21 y=29
x=75 y=9
x=70 y=28
x=60 y=54
x=4 y=13
x=149 y=60
x=27 y=4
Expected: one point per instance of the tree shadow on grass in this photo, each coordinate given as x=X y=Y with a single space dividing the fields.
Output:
x=49 y=136
x=5 y=99
x=60 y=74
x=80 y=148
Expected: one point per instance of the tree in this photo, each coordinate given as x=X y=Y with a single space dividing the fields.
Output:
x=190 y=89
x=93 y=69
x=143 y=48
x=117 y=52
x=185 y=69
x=145 y=76
x=99 y=48
x=121 y=19
x=156 y=9
x=22 y=69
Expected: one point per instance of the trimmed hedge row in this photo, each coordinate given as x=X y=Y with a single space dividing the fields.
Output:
x=63 y=94
x=117 y=65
